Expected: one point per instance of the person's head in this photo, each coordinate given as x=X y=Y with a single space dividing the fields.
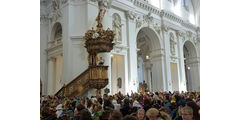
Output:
x=147 y=102
x=194 y=107
x=115 y=115
x=80 y=107
x=105 y=115
x=152 y=114
x=129 y=117
x=141 y=114
x=187 y=113
x=85 y=115
x=126 y=101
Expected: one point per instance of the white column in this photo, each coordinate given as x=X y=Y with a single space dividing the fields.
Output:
x=132 y=56
x=163 y=72
x=182 y=83
x=58 y=73
x=51 y=76
x=168 y=81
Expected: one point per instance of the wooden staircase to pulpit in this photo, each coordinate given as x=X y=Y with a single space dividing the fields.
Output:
x=96 y=76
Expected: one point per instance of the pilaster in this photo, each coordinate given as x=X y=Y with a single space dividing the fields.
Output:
x=168 y=81
x=182 y=74
x=132 y=52
x=51 y=76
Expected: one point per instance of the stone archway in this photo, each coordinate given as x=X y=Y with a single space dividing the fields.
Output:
x=191 y=63
x=55 y=59
x=149 y=59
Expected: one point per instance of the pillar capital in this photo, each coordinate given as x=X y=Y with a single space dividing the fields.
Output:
x=52 y=59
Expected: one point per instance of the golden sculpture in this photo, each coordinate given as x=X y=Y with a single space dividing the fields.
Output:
x=96 y=76
x=98 y=41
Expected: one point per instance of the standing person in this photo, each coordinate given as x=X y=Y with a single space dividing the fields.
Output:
x=125 y=109
x=116 y=105
x=59 y=110
x=115 y=115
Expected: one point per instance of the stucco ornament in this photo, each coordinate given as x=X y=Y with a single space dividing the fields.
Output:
x=139 y=22
x=148 y=18
x=64 y=1
x=117 y=27
x=103 y=4
x=56 y=12
x=95 y=35
x=131 y=15
x=157 y=27
x=172 y=45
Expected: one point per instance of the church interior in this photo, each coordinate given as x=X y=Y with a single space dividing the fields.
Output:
x=117 y=59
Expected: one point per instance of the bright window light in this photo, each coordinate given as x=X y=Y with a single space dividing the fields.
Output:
x=155 y=3
x=191 y=19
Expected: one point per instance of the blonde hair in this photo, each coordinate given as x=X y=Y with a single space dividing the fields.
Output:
x=141 y=110
x=152 y=112
x=165 y=116
x=187 y=109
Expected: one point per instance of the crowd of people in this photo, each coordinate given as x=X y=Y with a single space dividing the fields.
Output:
x=137 y=106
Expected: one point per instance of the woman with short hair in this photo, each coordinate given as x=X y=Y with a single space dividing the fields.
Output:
x=141 y=114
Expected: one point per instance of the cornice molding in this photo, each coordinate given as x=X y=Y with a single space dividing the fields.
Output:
x=77 y=37
x=164 y=14
x=146 y=6
x=174 y=58
x=171 y=16
x=55 y=50
x=119 y=48
x=193 y=60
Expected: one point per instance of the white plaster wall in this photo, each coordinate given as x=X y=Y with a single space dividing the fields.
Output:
x=157 y=79
x=118 y=71
x=174 y=76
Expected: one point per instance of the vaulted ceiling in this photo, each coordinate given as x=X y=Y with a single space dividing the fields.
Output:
x=196 y=5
